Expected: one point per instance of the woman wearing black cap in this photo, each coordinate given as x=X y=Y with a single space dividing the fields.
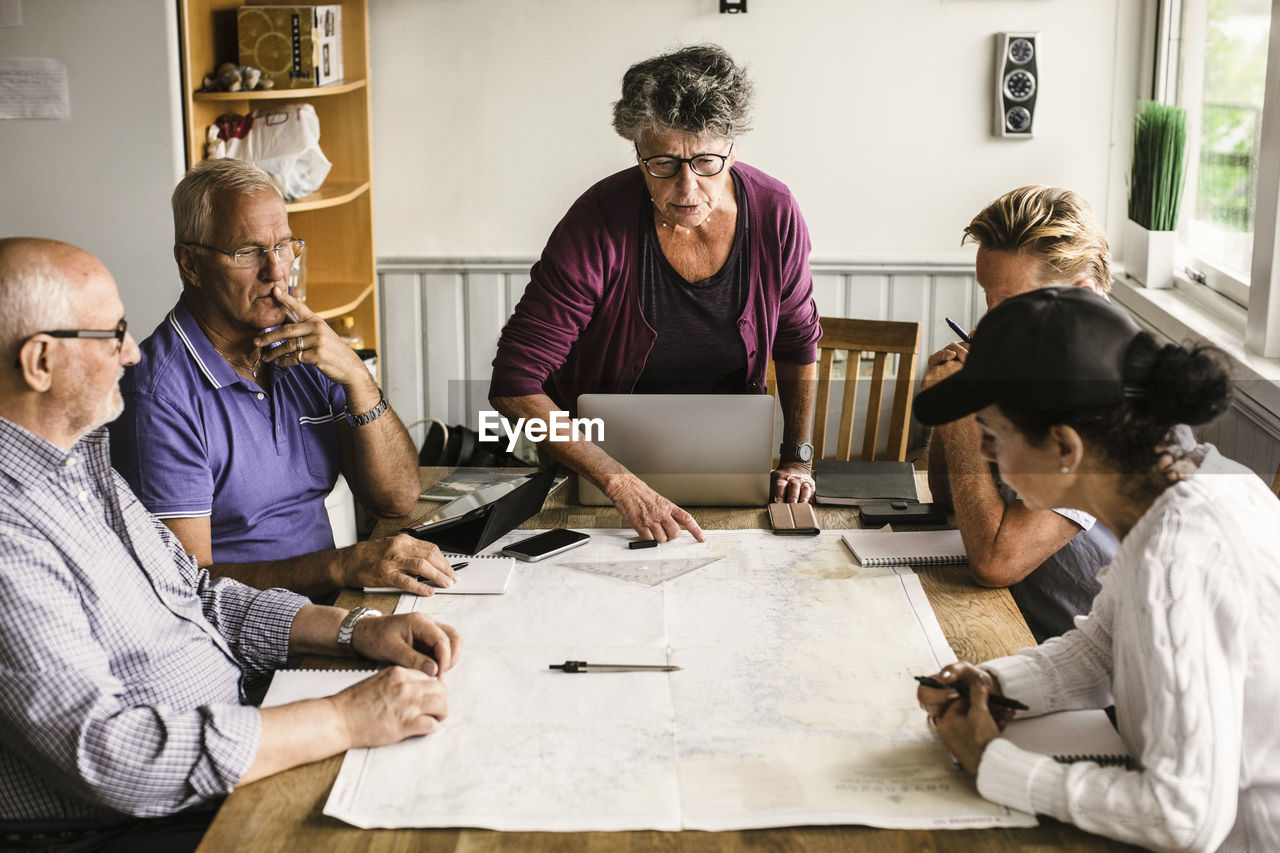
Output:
x=1075 y=403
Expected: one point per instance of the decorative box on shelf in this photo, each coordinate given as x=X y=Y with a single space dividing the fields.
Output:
x=297 y=47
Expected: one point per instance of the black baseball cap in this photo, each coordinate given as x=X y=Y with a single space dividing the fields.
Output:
x=1055 y=349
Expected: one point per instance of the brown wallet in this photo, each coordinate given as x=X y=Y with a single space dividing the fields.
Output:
x=798 y=519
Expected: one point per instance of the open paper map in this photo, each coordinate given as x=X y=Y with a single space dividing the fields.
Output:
x=794 y=703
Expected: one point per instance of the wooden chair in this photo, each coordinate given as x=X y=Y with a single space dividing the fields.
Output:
x=1275 y=483
x=882 y=338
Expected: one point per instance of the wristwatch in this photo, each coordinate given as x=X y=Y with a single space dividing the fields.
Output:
x=369 y=416
x=795 y=452
x=348 y=627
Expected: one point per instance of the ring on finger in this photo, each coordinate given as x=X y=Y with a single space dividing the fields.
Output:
x=299 y=344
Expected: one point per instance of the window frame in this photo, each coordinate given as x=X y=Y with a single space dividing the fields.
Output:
x=1176 y=78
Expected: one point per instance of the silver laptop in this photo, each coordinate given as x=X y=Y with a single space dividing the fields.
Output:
x=693 y=449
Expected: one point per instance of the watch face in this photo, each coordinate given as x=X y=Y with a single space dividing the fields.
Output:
x=805 y=452
x=1019 y=85
x=1021 y=51
x=1018 y=119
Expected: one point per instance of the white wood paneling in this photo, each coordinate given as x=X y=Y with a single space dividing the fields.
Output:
x=403 y=366
x=441 y=321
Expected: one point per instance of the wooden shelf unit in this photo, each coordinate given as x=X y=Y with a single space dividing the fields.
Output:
x=336 y=220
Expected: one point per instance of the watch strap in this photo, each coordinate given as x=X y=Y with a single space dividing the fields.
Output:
x=369 y=416
x=348 y=627
x=796 y=452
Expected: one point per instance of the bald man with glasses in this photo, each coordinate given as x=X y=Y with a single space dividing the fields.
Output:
x=126 y=666
x=246 y=406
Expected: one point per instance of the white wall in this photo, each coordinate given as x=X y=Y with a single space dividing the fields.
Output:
x=491 y=116
x=102 y=178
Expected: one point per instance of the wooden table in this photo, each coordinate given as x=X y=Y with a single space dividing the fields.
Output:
x=285 y=811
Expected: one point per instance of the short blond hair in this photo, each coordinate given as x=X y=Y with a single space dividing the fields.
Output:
x=1054 y=225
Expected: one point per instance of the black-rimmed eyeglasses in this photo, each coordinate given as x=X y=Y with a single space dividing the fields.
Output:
x=121 y=329
x=256 y=256
x=702 y=165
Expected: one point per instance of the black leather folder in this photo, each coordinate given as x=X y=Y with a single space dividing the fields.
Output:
x=473 y=522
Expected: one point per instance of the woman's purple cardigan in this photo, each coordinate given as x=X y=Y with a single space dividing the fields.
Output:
x=579 y=329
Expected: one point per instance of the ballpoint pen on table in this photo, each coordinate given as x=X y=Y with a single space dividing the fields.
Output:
x=583 y=666
x=992 y=698
x=955 y=327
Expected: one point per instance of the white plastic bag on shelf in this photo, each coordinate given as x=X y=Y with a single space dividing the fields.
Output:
x=282 y=141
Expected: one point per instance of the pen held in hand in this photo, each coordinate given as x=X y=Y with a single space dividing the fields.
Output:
x=454 y=566
x=955 y=327
x=992 y=698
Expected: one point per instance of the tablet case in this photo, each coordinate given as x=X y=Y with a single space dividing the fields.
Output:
x=793 y=518
x=484 y=525
x=901 y=512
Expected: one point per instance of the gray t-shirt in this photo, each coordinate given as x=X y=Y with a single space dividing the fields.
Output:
x=1064 y=586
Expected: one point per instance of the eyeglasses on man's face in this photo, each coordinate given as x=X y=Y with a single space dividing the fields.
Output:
x=256 y=256
x=121 y=329
x=703 y=165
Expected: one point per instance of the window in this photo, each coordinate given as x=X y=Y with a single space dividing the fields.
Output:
x=1221 y=81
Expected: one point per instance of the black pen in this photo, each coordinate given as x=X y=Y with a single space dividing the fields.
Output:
x=992 y=698
x=955 y=327
x=454 y=566
x=583 y=666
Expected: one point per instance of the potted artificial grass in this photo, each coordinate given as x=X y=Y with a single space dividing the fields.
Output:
x=1156 y=176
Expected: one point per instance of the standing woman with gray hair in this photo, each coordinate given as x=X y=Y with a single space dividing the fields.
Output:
x=682 y=274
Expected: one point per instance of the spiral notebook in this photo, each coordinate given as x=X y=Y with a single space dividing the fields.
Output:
x=1071 y=736
x=487 y=575
x=886 y=547
x=295 y=685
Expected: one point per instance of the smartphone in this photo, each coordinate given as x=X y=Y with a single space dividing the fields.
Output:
x=545 y=545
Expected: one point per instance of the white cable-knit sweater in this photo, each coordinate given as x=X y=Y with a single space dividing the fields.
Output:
x=1185 y=639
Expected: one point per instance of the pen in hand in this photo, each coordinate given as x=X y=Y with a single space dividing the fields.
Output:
x=454 y=566
x=955 y=327
x=992 y=698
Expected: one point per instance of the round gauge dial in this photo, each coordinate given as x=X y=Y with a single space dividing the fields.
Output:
x=1021 y=51
x=1019 y=85
x=1017 y=119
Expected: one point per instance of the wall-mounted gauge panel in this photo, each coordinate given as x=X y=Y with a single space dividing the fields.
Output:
x=1017 y=80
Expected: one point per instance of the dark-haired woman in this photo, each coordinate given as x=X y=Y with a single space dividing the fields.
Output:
x=1075 y=403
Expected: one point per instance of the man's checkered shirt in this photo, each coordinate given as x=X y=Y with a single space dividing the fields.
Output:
x=121 y=661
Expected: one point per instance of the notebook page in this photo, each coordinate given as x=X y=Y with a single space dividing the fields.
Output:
x=1068 y=734
x=294 y=685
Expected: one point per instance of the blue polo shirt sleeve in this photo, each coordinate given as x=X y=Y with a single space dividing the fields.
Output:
x=161 y=449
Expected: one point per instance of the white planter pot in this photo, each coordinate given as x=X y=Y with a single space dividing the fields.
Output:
x=1148 y=255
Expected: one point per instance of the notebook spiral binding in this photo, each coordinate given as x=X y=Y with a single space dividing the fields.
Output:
x=949 y=560
x=1104 y=760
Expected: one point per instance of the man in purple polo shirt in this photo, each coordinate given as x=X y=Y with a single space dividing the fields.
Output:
x=233 y=443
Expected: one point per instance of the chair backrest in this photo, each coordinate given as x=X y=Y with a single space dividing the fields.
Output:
x=881 y=339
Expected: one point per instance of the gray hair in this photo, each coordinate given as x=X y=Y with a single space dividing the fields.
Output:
x=698 y=90
x=35 y=293
x=194 y=197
